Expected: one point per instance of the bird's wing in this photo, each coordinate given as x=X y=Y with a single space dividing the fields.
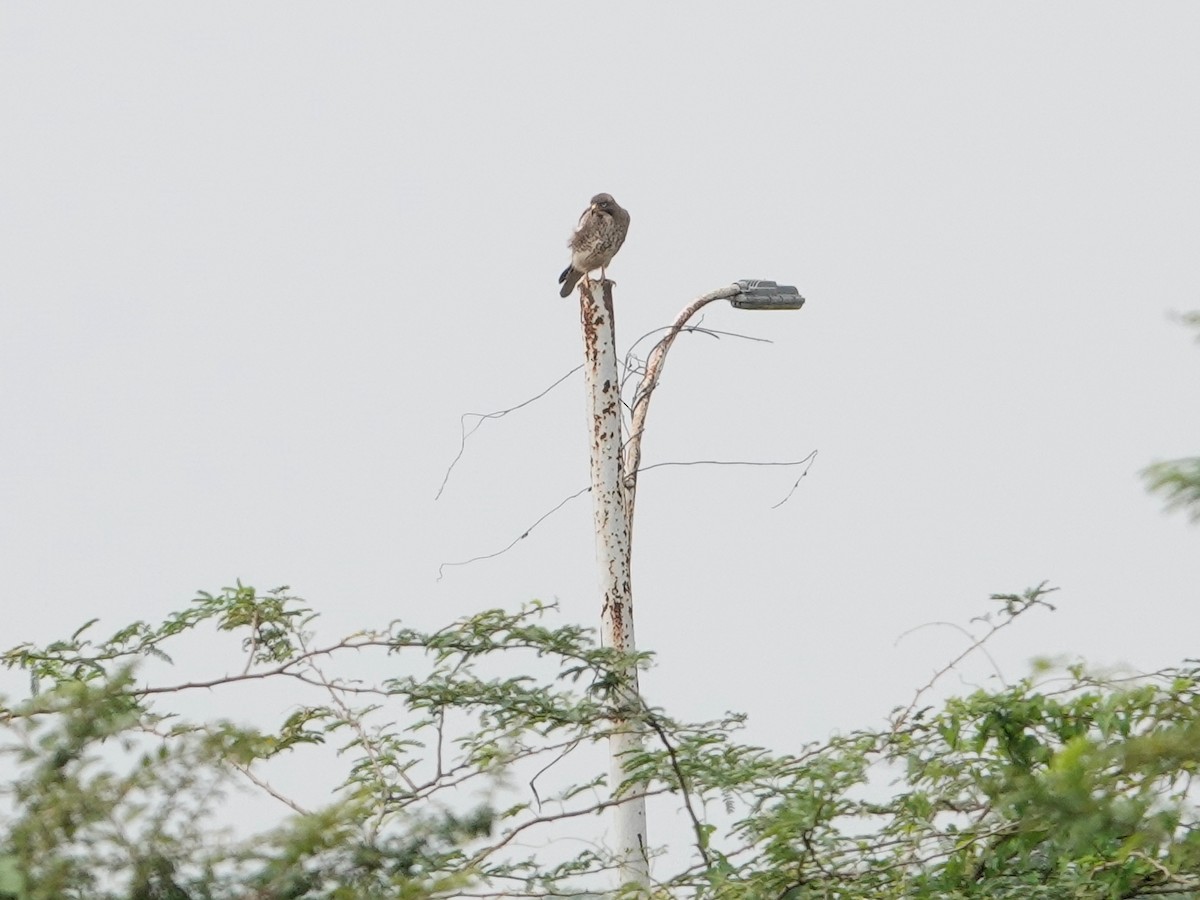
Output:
x=585 y=231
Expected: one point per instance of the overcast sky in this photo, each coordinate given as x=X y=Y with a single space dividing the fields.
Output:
x=257 y=258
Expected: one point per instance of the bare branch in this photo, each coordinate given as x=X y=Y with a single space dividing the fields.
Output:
x=810 y=459
x=730 y=462
x=483 y=417
x=694 y=462
x=516 y=540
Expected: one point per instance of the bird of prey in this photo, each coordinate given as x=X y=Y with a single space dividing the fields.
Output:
x=597 y=238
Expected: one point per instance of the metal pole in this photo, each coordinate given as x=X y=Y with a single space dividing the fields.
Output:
x=603 y=381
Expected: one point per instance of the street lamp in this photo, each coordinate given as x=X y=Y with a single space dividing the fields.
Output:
x=614 y=467
x=757 y=294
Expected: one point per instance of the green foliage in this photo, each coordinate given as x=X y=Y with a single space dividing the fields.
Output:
x=1071 y=786
x=115 y=798
x=1178 y=480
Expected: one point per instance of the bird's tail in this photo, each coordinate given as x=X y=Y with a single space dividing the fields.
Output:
x=568 y=279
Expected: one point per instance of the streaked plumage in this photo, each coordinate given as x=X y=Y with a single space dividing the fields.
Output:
x=597 y=238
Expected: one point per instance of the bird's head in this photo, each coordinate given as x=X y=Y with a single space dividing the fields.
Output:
x=604 y=203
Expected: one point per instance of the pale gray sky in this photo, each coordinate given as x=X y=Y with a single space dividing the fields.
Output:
x=256 y=258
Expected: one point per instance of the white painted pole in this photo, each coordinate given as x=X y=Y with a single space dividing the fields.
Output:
x=603 y=380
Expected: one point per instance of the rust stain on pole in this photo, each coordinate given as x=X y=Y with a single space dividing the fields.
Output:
x=611 y=518
x=608 y=489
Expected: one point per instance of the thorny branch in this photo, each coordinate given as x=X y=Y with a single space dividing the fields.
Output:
x=266 y=787
x=956 y=627
x=1014 y=607
x=356 y=724
x=599 y=806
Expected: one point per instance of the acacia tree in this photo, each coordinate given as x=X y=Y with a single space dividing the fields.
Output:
x=1071 y=786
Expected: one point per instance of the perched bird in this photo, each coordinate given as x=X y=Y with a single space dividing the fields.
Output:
x=597 y=238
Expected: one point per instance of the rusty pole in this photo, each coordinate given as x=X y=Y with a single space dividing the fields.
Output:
x=609 y=508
